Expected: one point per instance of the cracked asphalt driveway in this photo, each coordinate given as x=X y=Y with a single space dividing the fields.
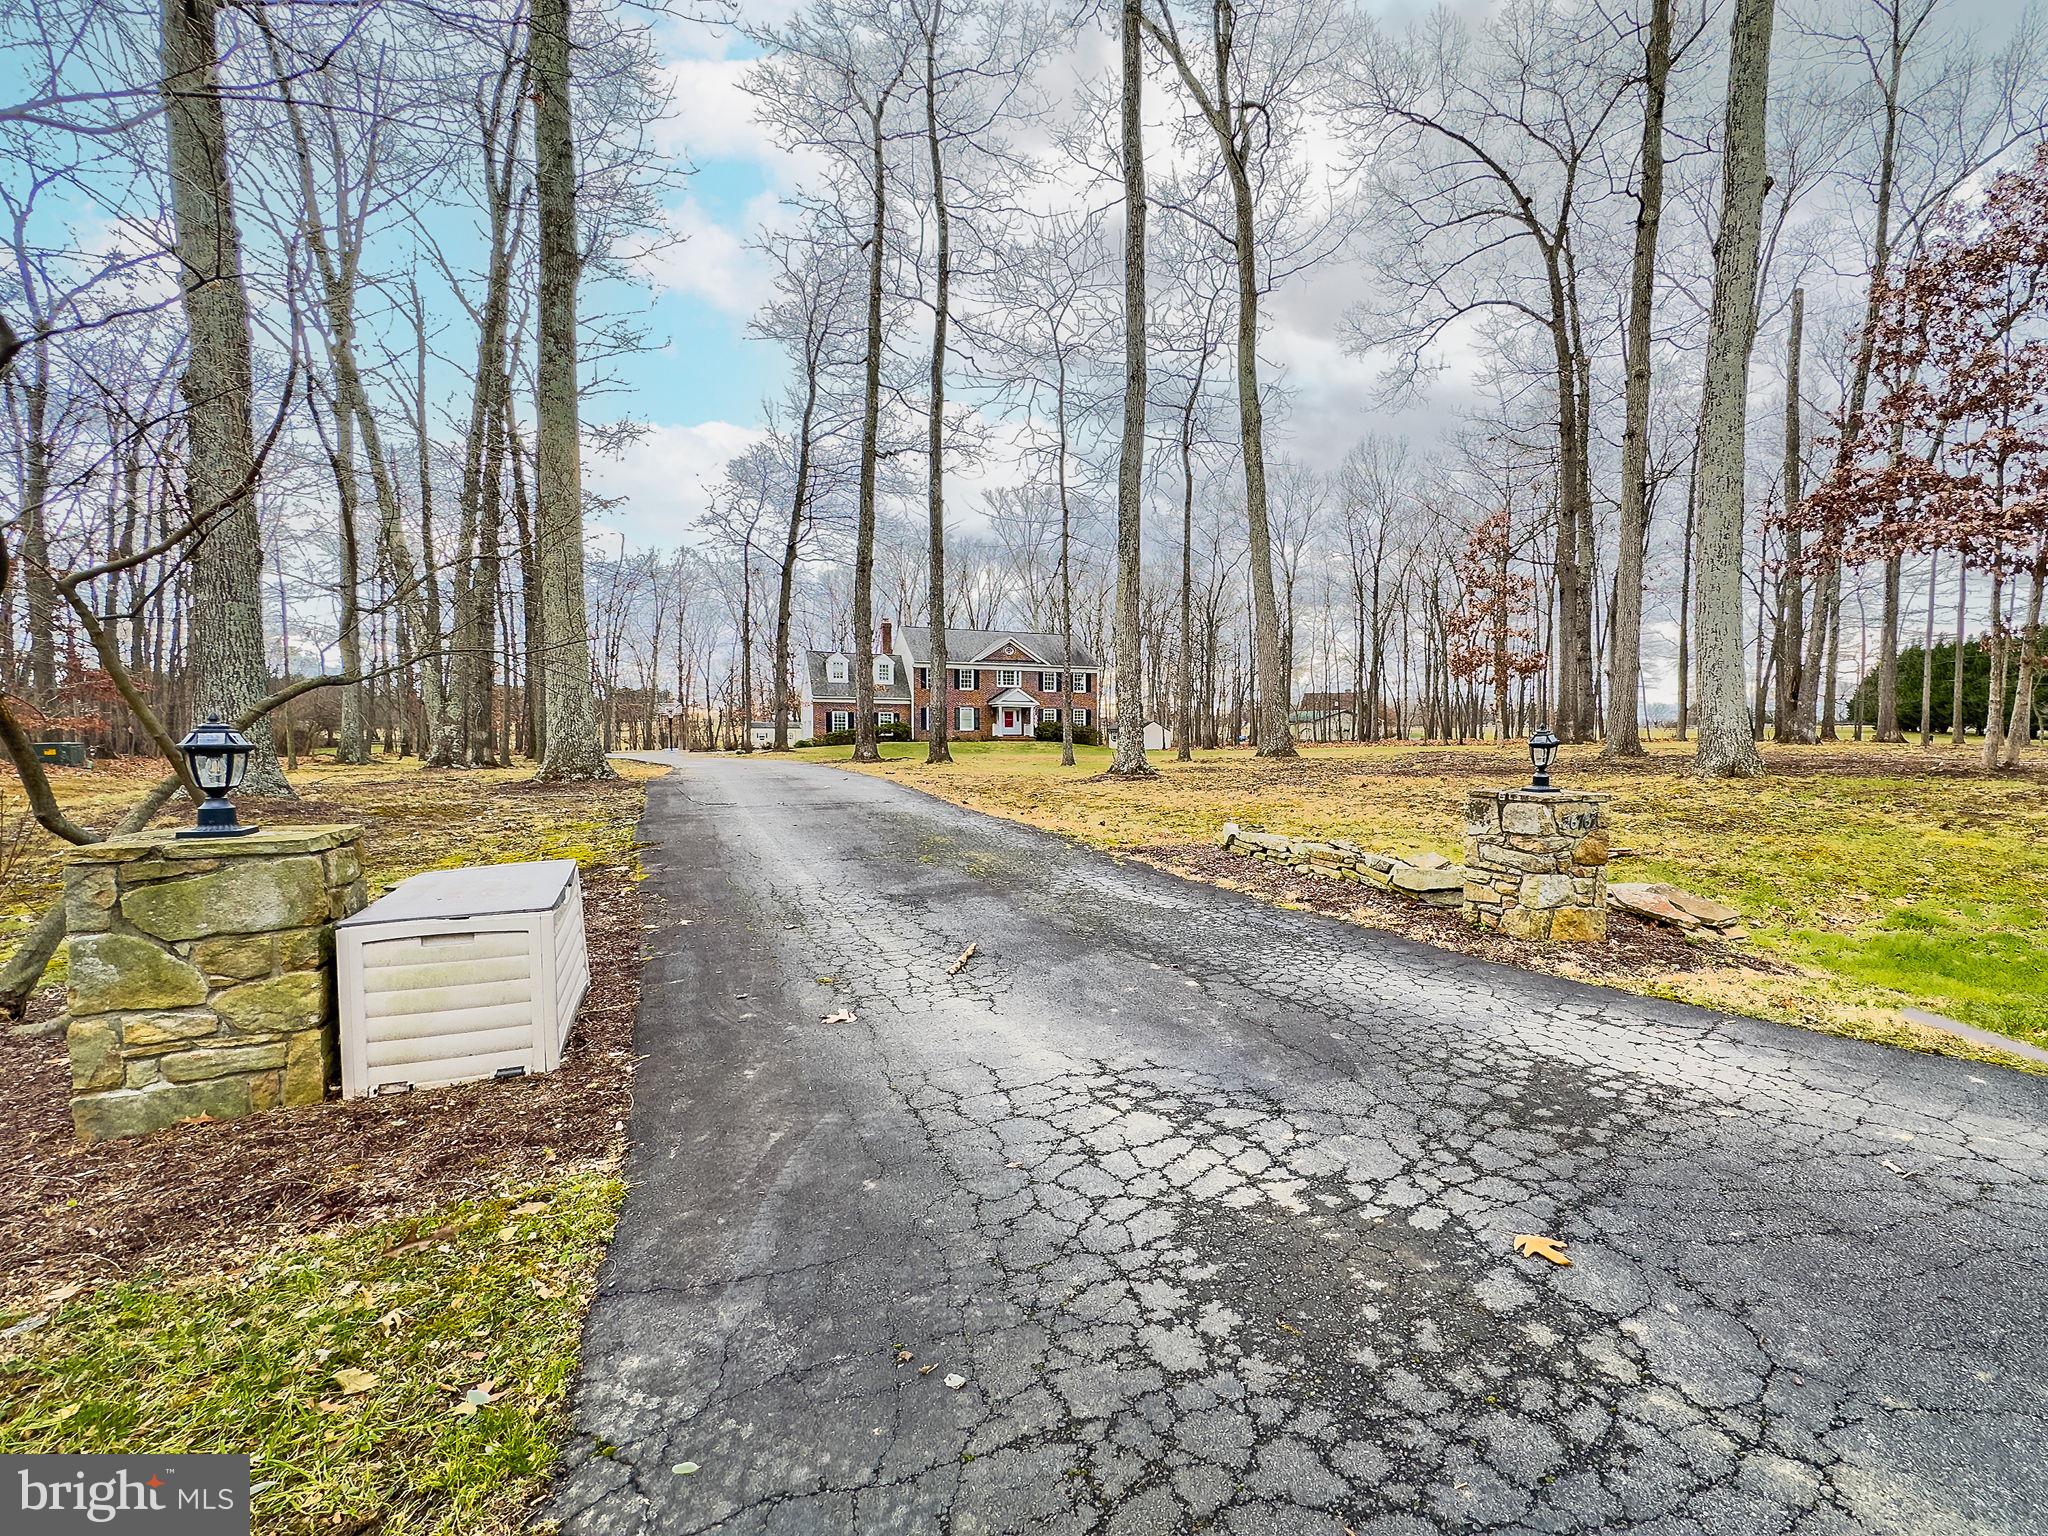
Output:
x=1212 y=1205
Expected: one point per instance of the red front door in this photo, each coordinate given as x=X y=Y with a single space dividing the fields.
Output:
x=1009 y=719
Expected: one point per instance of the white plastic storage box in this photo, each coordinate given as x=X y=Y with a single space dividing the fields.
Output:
x=461 y=974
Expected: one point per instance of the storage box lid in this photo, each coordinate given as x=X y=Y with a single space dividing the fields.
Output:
x=480 y=891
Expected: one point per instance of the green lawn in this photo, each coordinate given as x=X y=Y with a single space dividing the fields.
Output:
x=411 y=1377
x=1883 y=876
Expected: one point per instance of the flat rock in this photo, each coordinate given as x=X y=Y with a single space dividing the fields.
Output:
x=1713 y=913
x=1653 y=903
x=1417 y=880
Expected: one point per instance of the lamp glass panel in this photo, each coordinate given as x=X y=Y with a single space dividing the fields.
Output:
x=237 y=767
x=211 y=770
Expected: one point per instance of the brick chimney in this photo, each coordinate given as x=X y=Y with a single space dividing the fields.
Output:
x=888 y=638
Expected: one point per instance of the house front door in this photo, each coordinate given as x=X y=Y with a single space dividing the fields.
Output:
x=1009 y=721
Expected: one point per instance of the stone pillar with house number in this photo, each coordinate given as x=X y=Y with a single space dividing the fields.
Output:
x=1536 y=863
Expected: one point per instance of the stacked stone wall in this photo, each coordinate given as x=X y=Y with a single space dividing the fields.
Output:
x=201 y=973
x=1427 y=877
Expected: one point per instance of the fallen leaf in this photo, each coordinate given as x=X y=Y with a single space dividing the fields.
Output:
x=530 y=1208
x=956 y=1382
x=960 y=964
x=1530 y=1246
x=463 y=1409
x=926 y=1370
x=478 y=1396
x=684 y=1469
x=1286 y=1327
x=351 y=1380
x=843 y=1016
x=63 y=1293
x=328 y=1405
x=69 y=1410
x=903 y=1357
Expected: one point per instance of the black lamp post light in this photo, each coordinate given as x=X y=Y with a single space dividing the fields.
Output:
x=218 y=756
x=1542 y=748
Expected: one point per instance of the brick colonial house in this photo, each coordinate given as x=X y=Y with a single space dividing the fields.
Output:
x=1003 y=683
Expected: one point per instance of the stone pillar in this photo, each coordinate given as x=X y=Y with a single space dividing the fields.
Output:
x=202 y=973
x=1536 y=863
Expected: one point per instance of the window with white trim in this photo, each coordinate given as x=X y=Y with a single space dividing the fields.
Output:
x=839 y=720
x=1048 y=682
x=967 y=718
x=1049 y=716
x=966 y=679
x=924 y=717
x=885 y=671
x=1009 y=677
x=1081 y=716
x=1084 y=682
x=835 y=669
x=885 y=717
x=924 y=678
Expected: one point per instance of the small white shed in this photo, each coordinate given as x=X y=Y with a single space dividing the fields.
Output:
x=461 y=974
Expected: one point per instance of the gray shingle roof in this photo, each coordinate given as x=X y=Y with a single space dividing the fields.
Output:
x=963 y=645
x=897 y=692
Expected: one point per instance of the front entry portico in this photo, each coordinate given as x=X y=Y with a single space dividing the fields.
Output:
x=1012 y=712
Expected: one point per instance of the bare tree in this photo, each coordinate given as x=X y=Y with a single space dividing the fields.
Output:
x=574 y=749
x=1726 y=748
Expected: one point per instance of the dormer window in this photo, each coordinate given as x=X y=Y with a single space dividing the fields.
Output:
x=835 y=669
x=885 y=671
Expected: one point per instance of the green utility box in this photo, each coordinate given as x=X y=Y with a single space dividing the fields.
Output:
x=62 y=754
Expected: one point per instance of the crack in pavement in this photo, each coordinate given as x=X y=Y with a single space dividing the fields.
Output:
x=1212 y=1206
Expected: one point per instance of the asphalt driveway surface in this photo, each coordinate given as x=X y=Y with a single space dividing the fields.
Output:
x=1208 y=1208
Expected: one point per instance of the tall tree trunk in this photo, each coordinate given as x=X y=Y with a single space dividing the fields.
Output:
x=1129 y=761
x=531 y=619
x=1833 y=666
x=785 y=591
x=352 y=745
x=1794 y=681
x=39 y=587
x=574 y=749
x=1726 y=748
x=1276 y=688
x=2020 y=727
x=1994 y=694
x=1184 y=685
x=1927 y=657
x=936 y=749
x=1625 y=636
x=1958 y=726
x=1888 y=655
x=218 y=387
x=1067 y=580
x=865 y=749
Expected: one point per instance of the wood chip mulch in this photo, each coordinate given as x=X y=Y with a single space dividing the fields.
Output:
x=194 y=1192
x=1633 y=948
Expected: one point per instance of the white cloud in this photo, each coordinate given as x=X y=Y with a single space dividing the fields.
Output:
x=665 y=479
x=713 y=263
x=710 y=114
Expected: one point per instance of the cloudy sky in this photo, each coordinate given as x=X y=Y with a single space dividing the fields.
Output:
x=701 y=393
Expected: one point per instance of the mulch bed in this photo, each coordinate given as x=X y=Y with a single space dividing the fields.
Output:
x=200 y=1190
x=1633 y=948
